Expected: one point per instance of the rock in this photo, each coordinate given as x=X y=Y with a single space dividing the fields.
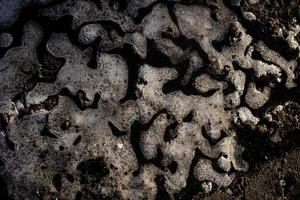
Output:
x=244 y=116
x=10 y=10
x=206 y=186
x=195 y=64
x=120 y=145
x=89 y=33
x=249 y=16
x=172 y=51
x=233 y=100
x=224 y=163
x=158 y=22
x=255 y=98
x=204 y=83
x=6 y=40
x=267 y=70
x=204 y=172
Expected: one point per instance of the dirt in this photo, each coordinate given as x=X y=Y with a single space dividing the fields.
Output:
x=273 y=16
x=277 y=174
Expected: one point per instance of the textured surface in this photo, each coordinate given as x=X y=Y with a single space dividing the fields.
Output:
x=146 y=99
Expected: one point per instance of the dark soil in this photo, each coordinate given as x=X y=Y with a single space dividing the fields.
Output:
x=273 y=15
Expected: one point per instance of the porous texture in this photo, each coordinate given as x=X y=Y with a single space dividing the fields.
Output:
x=141 y=99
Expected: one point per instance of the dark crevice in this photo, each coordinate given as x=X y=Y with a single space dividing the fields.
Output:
x=4 y=119
x=205 y=132
x=115 y=131
x=46 y=132
x=77 y=140
x=92 y=170
x=122 y=5
x=78 y=195
x=143 y=12
x=230 y=88
x=218 y=45
x=57 y=181
x=162 y=193
x=189 y=116
x=189 y=89
x=3 y=190
x=155 y=57
x=93 y=61
x=111 y=25
x=193 y=185
x=133 y=62
x=80 y=99
x=170 y=132
x=170 y=6
x=2 y=163
x=136 y=130
x=50 y=64
x=173 y=167
x=70 y=177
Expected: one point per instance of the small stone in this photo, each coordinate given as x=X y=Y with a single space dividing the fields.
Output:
x=120 y=145
x=249 y=16
x=245 y=116
x=206 y=186
x=278 y=109
x=229 y=192
x=224 y=163
x=263 y=128
x=2 y=133
x=6 y=40
x=19 y=105
x=268 y=117
x=282 y=183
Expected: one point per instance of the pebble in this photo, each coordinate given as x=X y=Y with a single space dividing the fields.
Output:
x=120 y=145
x=282 y=183
x=278 y=109
x=229 y=192
x=206 y=186
x=2 y=133
x=19 y=105
x=249 y=16
x=224 y=163
x=263 y=128
x=269 y=117
x=6 y=40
